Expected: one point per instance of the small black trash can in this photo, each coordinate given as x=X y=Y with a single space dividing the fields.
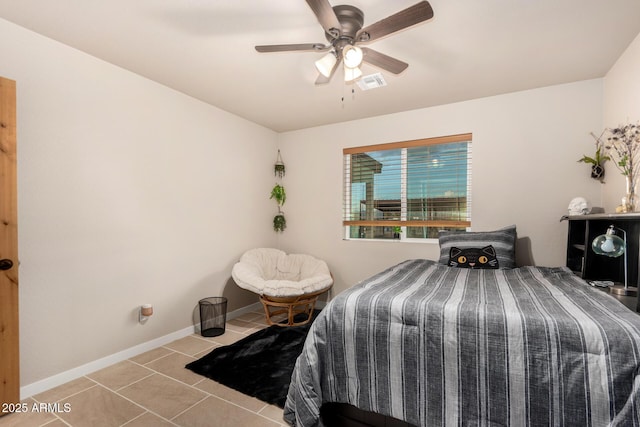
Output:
x=213 y=316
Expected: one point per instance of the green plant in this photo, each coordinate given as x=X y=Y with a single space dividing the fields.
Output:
x=279 y=194
x=597 y=161
x=279 y=222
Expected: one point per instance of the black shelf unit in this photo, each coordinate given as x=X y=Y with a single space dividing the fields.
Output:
x=584 y=262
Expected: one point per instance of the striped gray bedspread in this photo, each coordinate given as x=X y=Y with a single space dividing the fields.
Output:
x=439 y=346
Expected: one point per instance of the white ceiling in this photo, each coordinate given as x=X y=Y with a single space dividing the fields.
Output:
x=470 y=49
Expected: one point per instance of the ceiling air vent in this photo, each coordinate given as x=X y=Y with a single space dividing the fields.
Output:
x=371 y=81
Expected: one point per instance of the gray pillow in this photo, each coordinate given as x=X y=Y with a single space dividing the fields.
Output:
x=503 y=241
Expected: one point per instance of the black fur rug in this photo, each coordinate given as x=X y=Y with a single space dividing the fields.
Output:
x=259 y=365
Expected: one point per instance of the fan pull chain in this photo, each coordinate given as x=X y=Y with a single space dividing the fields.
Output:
x=353 y=95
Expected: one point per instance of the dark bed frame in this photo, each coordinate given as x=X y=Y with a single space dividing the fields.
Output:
x=344 y=415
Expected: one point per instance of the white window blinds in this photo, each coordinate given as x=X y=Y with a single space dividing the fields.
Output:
x=417 y=187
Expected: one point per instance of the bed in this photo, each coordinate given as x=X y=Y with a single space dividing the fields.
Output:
x=433 y=345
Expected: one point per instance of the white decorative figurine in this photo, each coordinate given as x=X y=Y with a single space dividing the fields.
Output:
x=579 y=206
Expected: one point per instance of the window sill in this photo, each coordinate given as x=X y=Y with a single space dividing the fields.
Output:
x=408 y=240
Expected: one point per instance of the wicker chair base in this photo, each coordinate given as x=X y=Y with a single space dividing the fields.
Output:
x=291 y=306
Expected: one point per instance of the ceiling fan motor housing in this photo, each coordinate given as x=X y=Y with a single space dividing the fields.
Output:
x=351 y=19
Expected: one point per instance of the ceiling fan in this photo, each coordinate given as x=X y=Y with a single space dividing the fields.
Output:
x=343 y=29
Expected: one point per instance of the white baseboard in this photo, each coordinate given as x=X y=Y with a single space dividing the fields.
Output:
x=72 y=374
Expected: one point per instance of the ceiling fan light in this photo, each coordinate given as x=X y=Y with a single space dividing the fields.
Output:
x=352 y=56
x=326 y=64
x=351 y=74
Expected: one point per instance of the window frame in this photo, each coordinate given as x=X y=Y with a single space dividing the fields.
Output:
x=403 y=222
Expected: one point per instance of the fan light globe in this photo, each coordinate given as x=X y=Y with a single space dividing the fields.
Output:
x=352 y=56
x=326 y=64
x=350 y=74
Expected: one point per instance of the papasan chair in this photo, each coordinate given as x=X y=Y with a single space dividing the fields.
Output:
x=287 y=284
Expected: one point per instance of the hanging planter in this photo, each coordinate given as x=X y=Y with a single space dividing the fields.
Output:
x=278 y=194
x=278 y=168
x=597 y=163
x=279 y=222
x=597 y=172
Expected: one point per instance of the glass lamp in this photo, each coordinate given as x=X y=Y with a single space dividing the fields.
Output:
x=611 y=245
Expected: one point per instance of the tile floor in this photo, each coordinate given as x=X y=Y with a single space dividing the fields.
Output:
x=154 y=389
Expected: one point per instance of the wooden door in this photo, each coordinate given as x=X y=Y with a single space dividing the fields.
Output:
x=9 y=354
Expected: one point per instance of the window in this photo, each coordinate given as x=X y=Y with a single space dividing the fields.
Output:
x=407 y=190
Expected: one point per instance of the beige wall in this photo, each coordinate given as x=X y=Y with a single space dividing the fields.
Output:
x=621 y=105
x=129 y=193
x=525 y=172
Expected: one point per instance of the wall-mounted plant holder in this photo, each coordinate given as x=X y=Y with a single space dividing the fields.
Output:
x=598 y=160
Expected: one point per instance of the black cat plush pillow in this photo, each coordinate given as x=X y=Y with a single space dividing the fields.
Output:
x=473 y=257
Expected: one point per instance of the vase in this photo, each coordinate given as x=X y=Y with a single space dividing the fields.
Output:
x=630 y=200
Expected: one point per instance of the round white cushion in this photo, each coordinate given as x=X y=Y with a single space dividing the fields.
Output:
x=271 y=272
